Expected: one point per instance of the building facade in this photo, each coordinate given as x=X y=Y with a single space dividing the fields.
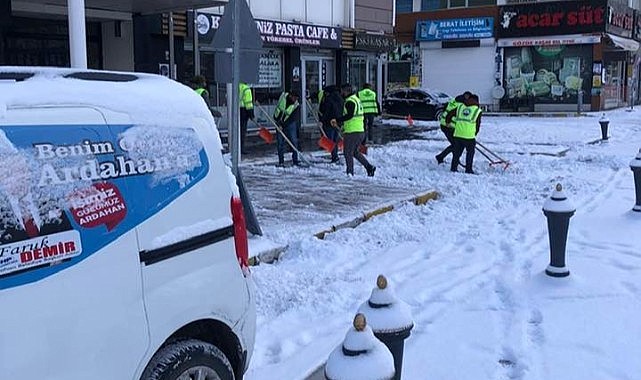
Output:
x=540 y=56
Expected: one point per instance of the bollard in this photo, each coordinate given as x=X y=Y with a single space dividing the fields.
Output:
x=604 y=122
x=360 y=357
x=558 y=211
x=391 y=320
x=635 y=165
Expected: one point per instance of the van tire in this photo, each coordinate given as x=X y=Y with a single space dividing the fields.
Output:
x=175 y=359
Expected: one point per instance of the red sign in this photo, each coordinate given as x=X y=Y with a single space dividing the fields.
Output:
x=100 y=204
x=552 y=18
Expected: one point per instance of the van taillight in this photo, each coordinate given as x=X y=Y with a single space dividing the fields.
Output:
x=240 y=234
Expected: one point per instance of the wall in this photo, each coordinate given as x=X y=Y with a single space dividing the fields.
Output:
x=118 y=52
x=374 y=15
x=406 y=22
x=321 y=12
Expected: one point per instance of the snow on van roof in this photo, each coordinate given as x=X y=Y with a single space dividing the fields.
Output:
x=147 y=98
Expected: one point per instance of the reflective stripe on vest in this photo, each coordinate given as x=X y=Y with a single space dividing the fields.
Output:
x=200 y=91
x=246 y=97
x=368 y=99
x=451 y=105
x=290 y=110
x=281 y=105
x=357 y=122
x=466 y=117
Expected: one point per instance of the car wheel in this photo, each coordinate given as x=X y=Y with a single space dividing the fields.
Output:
x=437 y=115
x=189 y=360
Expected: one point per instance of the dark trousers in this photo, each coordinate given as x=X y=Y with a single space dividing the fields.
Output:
x=369 y=126
x=291 y=131
x=332 y=134
x=351 y=142
x=469 y=146
x=449 y=135
x=244 y=119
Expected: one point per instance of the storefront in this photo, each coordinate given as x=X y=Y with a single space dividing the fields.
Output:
x=458 y=55
x=562 y=56
x=296 y=56
x=618 y=49
x=367 y=60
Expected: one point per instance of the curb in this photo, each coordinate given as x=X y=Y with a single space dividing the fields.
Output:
x=273 y=254
x=417 y=200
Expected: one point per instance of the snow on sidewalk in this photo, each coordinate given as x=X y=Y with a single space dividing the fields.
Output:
x=470 y=264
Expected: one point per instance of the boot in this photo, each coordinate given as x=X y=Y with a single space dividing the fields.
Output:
x=371 y=170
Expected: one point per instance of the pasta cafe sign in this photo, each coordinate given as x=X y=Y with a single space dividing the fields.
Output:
x=552 y=18
x=278 y=32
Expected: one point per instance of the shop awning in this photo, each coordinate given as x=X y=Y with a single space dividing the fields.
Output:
x=623 y=43
x=132 y=6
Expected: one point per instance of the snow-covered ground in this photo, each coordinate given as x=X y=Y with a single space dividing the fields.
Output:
x=470 y=264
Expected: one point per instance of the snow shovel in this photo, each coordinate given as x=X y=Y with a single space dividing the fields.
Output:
x=282 y=133
x=324 y=142
x=492 y=157
x=266 y=135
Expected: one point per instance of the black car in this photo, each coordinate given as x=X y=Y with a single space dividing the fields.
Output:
x=420 y=104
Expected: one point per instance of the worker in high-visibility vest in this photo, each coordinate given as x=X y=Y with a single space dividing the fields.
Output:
x=467 y=125
x=246 y=99
x=371 y=109
x=199 y=84
x=353 y=131
x=448 y=129
x=287 y=116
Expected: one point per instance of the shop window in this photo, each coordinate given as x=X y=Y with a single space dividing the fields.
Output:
x=457 y=3
x=547 y=75
x=404 y=6
x=480 y=3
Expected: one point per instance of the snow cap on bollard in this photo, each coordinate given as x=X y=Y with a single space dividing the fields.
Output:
x=636 y=162
x=558 y=202
x=361 y=356
x=604 y=119
x=385 y=312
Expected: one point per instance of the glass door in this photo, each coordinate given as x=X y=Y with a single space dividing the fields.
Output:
x=311 y=86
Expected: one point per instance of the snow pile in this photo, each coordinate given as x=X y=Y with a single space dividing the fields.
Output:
x=384 y=311
x=558 y=202
x=148 y=100
x=360 y=357
x=182 y=233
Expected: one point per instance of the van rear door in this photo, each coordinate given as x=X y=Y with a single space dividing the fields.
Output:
x=70 y=280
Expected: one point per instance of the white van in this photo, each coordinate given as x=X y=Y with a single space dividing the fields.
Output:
x=123 y=249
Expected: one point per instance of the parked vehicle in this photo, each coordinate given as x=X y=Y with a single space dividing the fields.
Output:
x=123 y=248
x=420 y=104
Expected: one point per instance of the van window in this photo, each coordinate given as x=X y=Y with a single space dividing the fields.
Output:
x=66 y=191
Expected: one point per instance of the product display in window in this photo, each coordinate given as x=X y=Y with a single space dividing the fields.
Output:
x=552 y=74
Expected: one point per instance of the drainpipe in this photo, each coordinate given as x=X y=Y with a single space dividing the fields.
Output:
x=77 y=34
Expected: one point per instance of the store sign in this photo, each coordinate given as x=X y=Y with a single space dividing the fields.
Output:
x=455 y=29
x=279 y=32
x=270 y=71
x=552 y=18
x=576 y=39
x=374 y=42
x=620 y=19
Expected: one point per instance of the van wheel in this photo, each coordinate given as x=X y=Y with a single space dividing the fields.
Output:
x=189 y=360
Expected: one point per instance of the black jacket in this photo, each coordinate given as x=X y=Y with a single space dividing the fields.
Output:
x=331 y=106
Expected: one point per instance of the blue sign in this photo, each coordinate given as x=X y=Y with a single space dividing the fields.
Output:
x=66 y=192
x=455 y=29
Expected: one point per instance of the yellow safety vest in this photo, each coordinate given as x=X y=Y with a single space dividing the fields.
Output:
x=201 y=90
x=451 y=106
x=356 y=123
x=465 y=126
x=368 y=99
x=245 y=96
x=283 y=112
